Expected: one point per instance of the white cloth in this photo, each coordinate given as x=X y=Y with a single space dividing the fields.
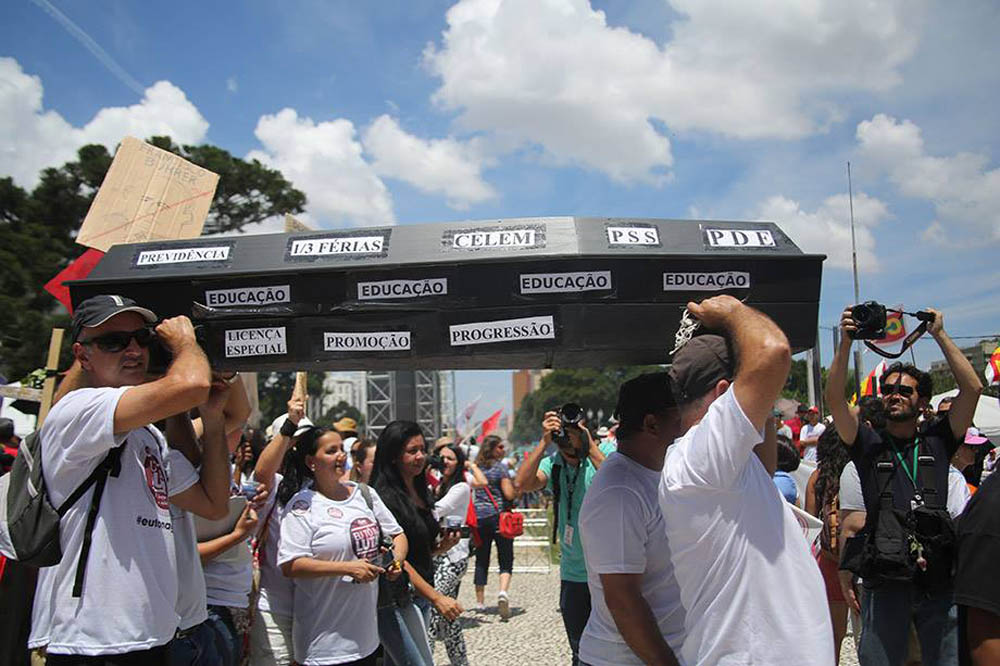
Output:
x=335 y=620
x=958 y=492
x=751 y=589
x=276 y=589
x=811 y=432
x=455 y=503
x=622 y=531
x=191 y=604
x=851 y=498
x=131 y=574
x=229 y=576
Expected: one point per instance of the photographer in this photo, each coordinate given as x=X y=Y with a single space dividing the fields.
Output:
x=568 y=473
x=904 y=476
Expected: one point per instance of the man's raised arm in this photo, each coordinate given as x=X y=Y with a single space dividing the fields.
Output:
x=844 y=418
x=963 y=407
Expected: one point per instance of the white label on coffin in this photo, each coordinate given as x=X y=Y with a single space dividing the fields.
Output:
x=739 y=238
x=705 y=281
x=269 y=295
x=504 y=330
x=552 y=283
x=402 y=288
x=366 y=341
x=182 y=255
x=633 y=235
x=506 y=238
x=315 y=247
x=255 y=342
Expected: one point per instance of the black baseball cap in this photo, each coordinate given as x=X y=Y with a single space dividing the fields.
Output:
x=646 y=394
x=699 y=365
x=98 y=309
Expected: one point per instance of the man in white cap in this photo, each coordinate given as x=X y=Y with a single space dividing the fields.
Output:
x=117 y=604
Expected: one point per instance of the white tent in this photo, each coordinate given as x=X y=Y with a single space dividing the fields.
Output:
x=987 y=417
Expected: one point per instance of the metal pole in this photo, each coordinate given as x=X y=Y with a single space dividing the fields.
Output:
x=857 y=289
x=810 y=378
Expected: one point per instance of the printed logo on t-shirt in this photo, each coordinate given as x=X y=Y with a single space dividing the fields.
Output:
x=300 y=507
x=156 y=479
x=364 y=538
x=334 y=512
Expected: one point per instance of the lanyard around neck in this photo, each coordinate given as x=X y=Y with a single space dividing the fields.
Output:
x=910 y=473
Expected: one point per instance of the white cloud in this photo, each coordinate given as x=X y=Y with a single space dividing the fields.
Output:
x=553 y=73
x=325 y=161
x=232 y=85
x=827 y=230
x=32 y=138
x=437 y=166
x=964 y=190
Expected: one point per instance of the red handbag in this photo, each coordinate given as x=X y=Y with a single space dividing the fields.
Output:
x=511 y=522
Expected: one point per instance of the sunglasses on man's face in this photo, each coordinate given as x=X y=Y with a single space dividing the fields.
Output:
x=901 y=389
x=112 y=343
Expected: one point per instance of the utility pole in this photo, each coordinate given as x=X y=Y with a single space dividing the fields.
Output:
x=857 y=290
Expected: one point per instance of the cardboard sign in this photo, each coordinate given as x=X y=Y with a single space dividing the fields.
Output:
x=148 y=194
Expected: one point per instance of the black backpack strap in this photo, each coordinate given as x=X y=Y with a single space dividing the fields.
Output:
x=111 y=465
x=927 y=477
x=556 y=492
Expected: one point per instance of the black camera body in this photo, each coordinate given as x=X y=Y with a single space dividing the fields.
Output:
x=435 y=461
x=869 y=318
x=570 y=416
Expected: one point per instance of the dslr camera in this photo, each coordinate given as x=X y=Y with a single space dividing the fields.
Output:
x=869 y=318
x=570 y=416
x=435 y=461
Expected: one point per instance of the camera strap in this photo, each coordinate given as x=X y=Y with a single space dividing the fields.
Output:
x=907 y=342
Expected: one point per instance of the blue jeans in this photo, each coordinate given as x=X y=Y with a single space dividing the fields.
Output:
x=196 y=648
x=403 y=633
x=227 y=641
x=886 y=612
x=574 y=606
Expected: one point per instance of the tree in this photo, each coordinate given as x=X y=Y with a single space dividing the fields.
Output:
x=344 y=410
x=274 y=390
x=594 y=389
x=37 y=232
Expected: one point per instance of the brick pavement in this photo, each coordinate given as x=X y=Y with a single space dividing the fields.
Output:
x=534 y=634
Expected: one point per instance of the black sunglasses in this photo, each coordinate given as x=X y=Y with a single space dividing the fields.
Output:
x=901 y=389
x=112 y=343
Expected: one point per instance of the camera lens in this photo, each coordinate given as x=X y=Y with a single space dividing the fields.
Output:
x=571 y=412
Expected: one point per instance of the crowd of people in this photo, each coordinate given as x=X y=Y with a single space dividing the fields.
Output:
x=199 y=541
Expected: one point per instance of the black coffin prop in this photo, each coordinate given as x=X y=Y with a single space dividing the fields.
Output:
x=524 y=293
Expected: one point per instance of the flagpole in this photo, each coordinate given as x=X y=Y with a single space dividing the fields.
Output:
x=857 y=290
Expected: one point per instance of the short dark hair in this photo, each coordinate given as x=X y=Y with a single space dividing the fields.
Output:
x=925 y=385
x=871 y=410
x=6 y=429
x=649 y=393
x=788 y=455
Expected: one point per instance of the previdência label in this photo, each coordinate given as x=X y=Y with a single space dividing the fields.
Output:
x=402 y=289
x=552 y=283
x=269 y=295
x=366 y=341
x=705 y=281
x=182 y=255
x=255 y=342
x=504 y=330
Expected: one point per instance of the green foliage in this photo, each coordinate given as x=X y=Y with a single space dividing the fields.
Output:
x=274 y=390
x=594 y=389
x=343 y=409
x=37 y=232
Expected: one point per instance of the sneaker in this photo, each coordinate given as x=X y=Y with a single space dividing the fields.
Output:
x=480 y=607
x=503 y=603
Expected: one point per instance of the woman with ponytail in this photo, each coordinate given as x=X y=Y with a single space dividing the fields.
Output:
x=399 y=477
x=331 y=547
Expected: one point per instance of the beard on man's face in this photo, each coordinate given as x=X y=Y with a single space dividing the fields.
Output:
x=900 y=411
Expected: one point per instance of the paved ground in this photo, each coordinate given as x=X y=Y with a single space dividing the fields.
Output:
x=534 y=634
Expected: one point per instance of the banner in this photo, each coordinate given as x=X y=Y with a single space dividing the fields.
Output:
x=870 y=385
x=992 y=371
x=78 y=269
x=895 y=329
x=489 y=425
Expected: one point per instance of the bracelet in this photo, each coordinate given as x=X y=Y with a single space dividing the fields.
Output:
x=288 y=428
x=236 y=375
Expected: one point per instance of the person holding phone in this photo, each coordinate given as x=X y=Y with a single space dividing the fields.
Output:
x=330 y=546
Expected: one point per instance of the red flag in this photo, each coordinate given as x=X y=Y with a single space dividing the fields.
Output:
x=993 y=368
x=489 y=425
x=895 y=330
x=78 y=269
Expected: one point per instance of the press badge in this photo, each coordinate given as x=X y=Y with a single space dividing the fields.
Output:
x=568 y=536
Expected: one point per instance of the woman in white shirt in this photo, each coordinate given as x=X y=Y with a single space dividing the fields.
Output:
x=330 y=540
x=451 y=497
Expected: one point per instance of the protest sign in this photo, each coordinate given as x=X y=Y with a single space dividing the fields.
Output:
x=148 y=194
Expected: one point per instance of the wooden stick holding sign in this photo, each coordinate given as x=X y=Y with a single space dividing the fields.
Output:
x=301 y=390
x=51 y=365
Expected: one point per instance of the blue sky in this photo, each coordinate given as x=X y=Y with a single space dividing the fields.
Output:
x=402 y=112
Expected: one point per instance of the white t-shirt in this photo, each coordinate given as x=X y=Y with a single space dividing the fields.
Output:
x=751 y=590
x=958 y=492
x=622 y=531
x=276 y=590
x=191 y=608
x=810 y=432
x=131 y=574
x=455 y=503
x=229 y=576
x=335 y=620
